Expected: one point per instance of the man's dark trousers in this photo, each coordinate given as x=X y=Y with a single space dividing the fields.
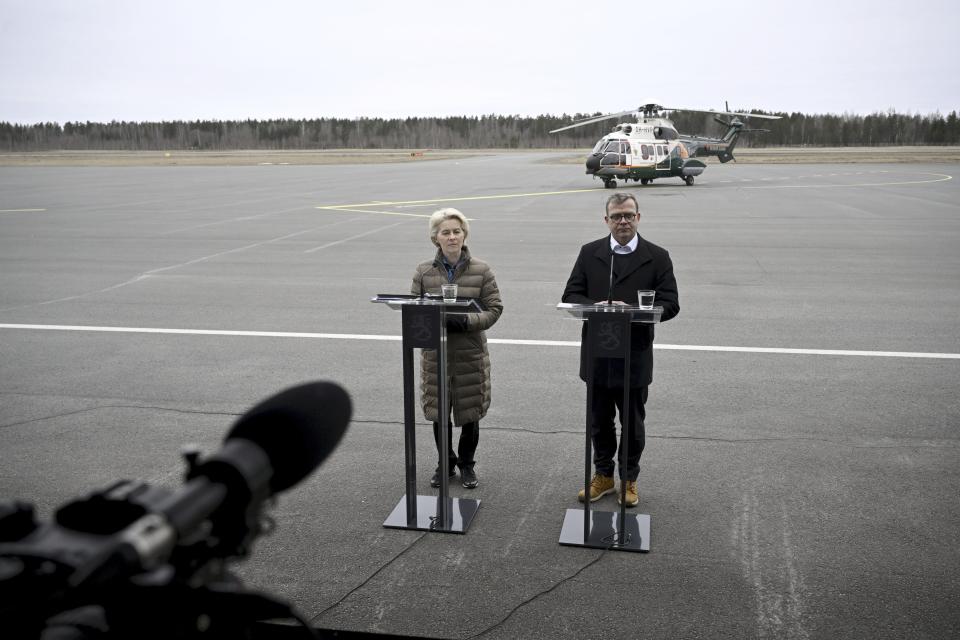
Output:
x=606 y=402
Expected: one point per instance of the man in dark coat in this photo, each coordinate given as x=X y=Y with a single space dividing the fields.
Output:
x=636 y=264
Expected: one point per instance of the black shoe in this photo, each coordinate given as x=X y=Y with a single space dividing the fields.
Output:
x=469 y=477
x=435 y=480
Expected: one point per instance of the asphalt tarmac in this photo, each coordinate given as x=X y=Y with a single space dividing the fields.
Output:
x=802 y=467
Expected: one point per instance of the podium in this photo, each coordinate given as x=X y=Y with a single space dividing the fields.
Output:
x=423 y=320
x=608 y=336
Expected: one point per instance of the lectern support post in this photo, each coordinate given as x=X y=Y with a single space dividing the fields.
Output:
x=424 y=327
x=409 y=433
x=608 y=337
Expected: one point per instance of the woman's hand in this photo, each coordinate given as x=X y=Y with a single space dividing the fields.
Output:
x=456 y=323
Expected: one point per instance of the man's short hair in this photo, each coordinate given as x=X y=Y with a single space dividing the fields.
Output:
x=620 y=198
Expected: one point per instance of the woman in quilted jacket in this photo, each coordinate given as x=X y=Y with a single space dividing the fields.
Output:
x=468 y=361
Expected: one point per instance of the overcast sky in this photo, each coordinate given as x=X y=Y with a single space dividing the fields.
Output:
x=102 y=60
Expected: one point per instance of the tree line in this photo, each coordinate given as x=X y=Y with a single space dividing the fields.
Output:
x=461 y=132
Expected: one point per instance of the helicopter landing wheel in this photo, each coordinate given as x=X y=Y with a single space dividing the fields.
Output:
x=644 y=180
x=688 y=180
x=610 y=184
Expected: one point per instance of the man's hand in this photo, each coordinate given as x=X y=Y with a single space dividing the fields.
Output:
x=619 y=302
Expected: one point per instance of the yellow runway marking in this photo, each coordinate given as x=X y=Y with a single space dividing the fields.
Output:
x=943 y=178
x=361 y=207
x=461 y=199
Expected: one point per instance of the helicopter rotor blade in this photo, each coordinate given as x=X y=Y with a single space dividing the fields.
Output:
x=735 y=113
x=581 y=123
x=648 y=109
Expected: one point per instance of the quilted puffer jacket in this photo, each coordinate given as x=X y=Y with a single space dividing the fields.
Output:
x=468 y=361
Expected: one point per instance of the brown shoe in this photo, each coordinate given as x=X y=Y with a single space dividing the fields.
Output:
x=600 y=486
x=632 y=497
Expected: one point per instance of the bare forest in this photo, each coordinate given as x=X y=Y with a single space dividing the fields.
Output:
x=462 y=132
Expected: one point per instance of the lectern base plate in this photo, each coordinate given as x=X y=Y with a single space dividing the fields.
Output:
x=460 y=513
x=604 y=533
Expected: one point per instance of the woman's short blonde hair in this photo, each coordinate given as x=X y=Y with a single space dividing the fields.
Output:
x=440 y=216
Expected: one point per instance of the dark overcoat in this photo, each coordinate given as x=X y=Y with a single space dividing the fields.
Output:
x=648 y=267
x=468 y=361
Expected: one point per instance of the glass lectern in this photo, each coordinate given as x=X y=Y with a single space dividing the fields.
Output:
x=607 y=336
x=423 y=320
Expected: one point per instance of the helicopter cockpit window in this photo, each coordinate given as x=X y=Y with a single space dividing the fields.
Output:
x=657 y=133
x=668 y=134
x=613 y=147
x=597 y=148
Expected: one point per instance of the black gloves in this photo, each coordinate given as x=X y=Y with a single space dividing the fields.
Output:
x=456 y=323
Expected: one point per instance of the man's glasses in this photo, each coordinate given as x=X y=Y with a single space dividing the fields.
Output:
x=617 y=217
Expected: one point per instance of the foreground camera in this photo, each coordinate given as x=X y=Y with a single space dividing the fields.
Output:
x=135 y=561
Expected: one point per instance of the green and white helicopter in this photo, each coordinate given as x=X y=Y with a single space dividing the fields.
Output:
x=651 y=147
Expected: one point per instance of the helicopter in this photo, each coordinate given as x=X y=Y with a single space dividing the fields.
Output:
x=651 y=147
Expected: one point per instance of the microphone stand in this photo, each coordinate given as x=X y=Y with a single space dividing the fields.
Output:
x=610 y=287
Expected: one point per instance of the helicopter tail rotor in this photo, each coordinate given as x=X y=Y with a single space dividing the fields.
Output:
x=735 y=126
x=733 y=122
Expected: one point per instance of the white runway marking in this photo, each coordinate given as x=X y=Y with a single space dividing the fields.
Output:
x=537 y=343
x=147 y=274
x=359 y=235
x=158 y=270
x=388 y=213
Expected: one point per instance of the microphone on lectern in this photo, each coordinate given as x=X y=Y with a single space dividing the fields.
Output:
x=610 y=287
